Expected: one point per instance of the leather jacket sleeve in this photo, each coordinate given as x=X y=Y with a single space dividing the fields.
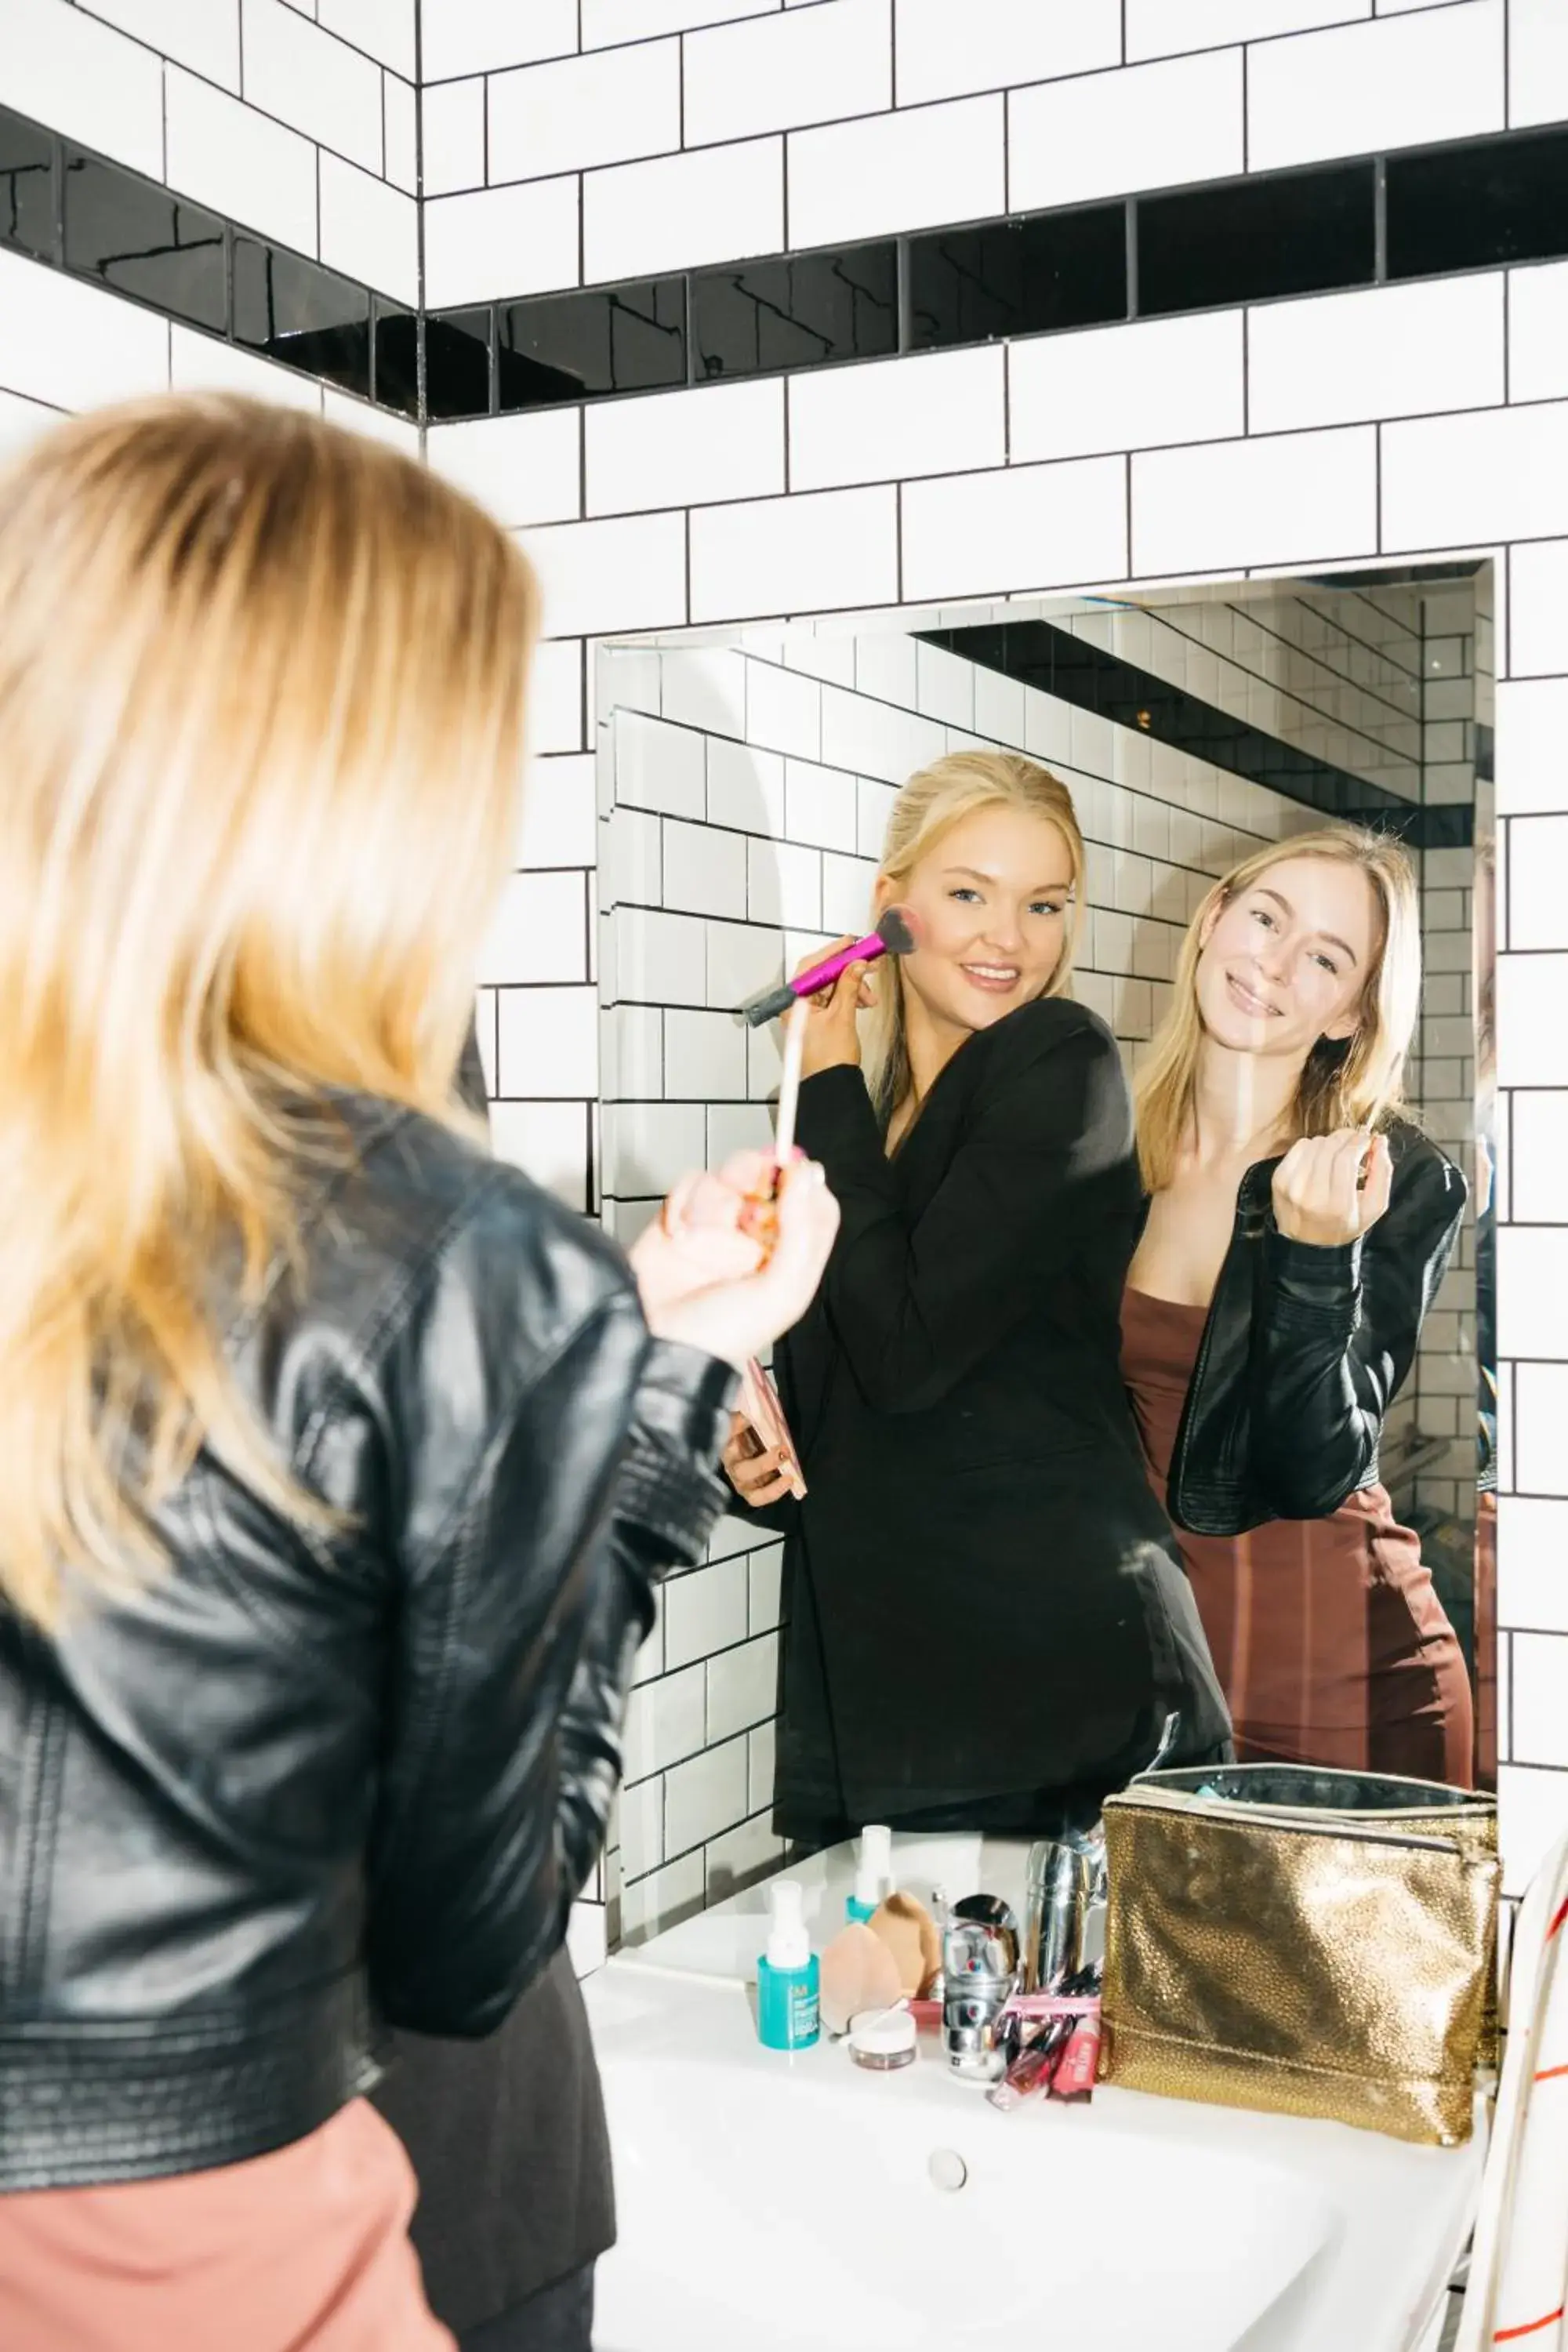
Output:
x=522 y=1602
x=1334 y=1335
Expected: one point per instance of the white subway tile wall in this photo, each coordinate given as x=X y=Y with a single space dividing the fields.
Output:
x=1330 y=459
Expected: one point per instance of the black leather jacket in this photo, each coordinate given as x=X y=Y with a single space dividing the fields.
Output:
x=1305 y=1348
x=299 y=1788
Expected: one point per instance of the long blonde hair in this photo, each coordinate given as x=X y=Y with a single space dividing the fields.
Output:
x=1353 y=1082
x=933 y=800
x=260 y=703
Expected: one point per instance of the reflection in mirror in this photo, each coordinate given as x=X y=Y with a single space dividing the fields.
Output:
x=1053 y=1514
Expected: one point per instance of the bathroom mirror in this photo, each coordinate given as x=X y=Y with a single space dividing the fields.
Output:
x=745 y=785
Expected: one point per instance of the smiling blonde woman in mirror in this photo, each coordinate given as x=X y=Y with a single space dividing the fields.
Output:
x=987 y=1625
x=1299 y=1226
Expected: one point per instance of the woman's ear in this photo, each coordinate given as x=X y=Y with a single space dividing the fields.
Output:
x=1209 y=917
x=883 y=896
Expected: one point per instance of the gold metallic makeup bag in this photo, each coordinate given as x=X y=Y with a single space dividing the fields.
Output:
x=1303 y=1941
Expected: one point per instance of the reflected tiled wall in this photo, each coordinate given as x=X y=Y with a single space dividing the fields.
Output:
x=743 y=794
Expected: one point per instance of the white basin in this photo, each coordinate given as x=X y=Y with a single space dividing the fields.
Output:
x=772 y=2202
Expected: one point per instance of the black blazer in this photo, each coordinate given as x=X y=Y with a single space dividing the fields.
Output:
x=983 y=1597
x=1305 y=1348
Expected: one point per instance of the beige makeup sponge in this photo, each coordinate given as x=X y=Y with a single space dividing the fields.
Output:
x=857 y=1972
x=908 y=1932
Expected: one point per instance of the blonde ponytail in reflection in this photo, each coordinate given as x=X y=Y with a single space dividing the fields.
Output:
x=934 y=799
x=1357 y=1082
x=260 y=703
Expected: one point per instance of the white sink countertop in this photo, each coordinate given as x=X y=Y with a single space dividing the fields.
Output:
x=771 y=2200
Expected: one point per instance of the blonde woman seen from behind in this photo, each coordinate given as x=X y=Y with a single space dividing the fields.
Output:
x=339 y=1460
x=1299 y=1225
x=987 y=1626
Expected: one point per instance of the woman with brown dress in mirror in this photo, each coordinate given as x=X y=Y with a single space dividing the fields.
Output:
x=1299 y=1225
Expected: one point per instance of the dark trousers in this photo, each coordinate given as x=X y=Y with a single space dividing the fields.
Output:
x=559 y=2318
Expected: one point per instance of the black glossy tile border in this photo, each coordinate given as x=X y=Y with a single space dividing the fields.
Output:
x=1322 y=228
x=1432 y=212
x=1058 y=663
x=79 y=213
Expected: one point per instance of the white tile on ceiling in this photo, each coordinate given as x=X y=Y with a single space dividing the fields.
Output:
x=894 y=172
x=686 y=449
x=1023 y=527
x=1290 y=497
x=1540 y=1413
x=240 y=161
x=772 y=72
x=1537 y=905
x=400 y=131
x=745 y=786
x=1538 y=1156
x=819 y=805
x=658 y=766
x=1160 y=28
x=74 y=346
x=1399 y=81
x=549 y=1043
x=1537 y=62
x=603 y=577
x=887 y=420
x=1538 y=608
x=1003 y=42
x=1531 y=715
x=705 y=1796
x=200 y=363
x=524 y=468
x=357 y=415
x=64 y=68
x=22 y=420
x=453 y=118
x=679 y=211
x=704 y=1056
x=470 y=36
x=1148 y=126
x=807 y=553
x=560 y=810
x=578 y=112
x=784 y=710
x=606 y=22
x=1458 y=481
x=383 y=29
x=704 y=870
x=539 y=932
x=1538 y=332
x=1532 y=1037
x=1532 y=1292
x=301 y=76
x=1391 y=351
x=1126 y=387
x=549 y=1141
x=201 y=33
x=501 y=241
x=369 y=230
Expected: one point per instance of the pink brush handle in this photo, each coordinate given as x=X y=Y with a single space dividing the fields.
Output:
x=823 y=975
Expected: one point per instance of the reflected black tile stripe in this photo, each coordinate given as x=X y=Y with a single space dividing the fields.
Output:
x=137 y=238
x=1023 y=276
x=810 y=311
x=1058 y=663
x=292 y=310
x=1295 y=233
x=27 y=187
x=1465 y=207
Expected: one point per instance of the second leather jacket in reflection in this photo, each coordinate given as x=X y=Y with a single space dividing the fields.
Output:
x=1305 y=1348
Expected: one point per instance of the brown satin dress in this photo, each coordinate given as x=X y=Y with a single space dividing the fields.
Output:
x=1329 y=1639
